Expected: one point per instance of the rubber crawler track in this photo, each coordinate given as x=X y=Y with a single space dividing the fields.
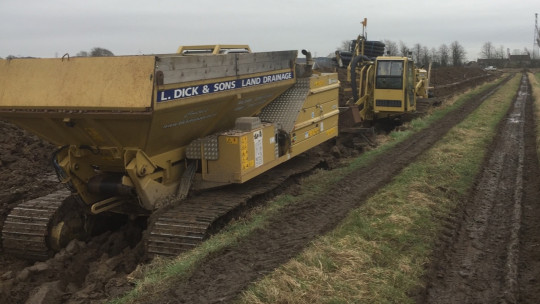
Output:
x=184 y=226
x=26 y=229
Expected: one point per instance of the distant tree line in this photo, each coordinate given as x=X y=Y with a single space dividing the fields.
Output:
x=445 y=55
x=94 y=52
x=9 y=57
x=489 y=51
x=452 y=54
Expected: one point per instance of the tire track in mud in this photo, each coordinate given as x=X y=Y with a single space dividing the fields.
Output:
x=481 y=265
x=224 y=275
x=529 y=237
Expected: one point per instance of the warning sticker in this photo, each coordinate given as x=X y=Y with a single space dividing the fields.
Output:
x=258 y=140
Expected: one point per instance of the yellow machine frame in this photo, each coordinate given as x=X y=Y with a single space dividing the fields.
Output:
x=126 y=123
x=384 y=86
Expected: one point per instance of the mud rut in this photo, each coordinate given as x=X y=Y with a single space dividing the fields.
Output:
x=493 y=256
x=93 y=271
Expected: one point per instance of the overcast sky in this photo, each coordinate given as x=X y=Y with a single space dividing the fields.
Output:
x=50 y=28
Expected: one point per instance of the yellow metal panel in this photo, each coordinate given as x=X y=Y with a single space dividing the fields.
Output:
x=297 y=149
x=121 y=130
x=388 y=94
x=78 y=83
x=319 y=81
x=231 y=158
x=205 y=114
x=314 y=113
x=321 y=97
x=241 y=153
x=305 y=134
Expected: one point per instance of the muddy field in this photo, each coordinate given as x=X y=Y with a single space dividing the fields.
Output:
x=26 y=173
x=91 y=271
x=491 y=253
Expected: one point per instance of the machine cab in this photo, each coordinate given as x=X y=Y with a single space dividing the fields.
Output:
x=394 y=85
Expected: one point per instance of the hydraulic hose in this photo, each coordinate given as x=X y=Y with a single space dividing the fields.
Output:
x=60 y=173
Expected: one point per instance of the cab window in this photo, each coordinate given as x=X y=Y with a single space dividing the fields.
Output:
x=389 y=75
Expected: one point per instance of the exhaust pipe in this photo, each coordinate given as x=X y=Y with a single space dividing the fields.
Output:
x=309 y=63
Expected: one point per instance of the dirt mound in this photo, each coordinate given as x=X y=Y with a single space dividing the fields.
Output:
x=80 y=273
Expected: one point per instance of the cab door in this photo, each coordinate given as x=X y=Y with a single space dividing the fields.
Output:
x=410 y=96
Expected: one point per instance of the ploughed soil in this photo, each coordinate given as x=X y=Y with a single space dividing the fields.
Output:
x=26 y=172
x=97 y=269
x=490 y=252
x=449 y=80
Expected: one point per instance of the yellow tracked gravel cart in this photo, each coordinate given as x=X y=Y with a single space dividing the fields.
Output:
x=135 y=130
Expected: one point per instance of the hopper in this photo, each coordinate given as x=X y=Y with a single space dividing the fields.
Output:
x=155 y=103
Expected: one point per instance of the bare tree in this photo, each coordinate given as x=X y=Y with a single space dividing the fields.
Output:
x=392 y=48
x=403 y=49
x=500 y=53
x=417 y=52
x=345 y=45
x=458 y=53
x=435 y=57
x=425 y=56
x=487 y=51
x=444 y=55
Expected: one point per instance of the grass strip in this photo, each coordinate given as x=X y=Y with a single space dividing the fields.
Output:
x=534 y=79
x=158 y=276
x=378 y=254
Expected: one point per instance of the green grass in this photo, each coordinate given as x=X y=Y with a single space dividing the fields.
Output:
x=535 y=87
x=378 y=254
x=162 y=273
